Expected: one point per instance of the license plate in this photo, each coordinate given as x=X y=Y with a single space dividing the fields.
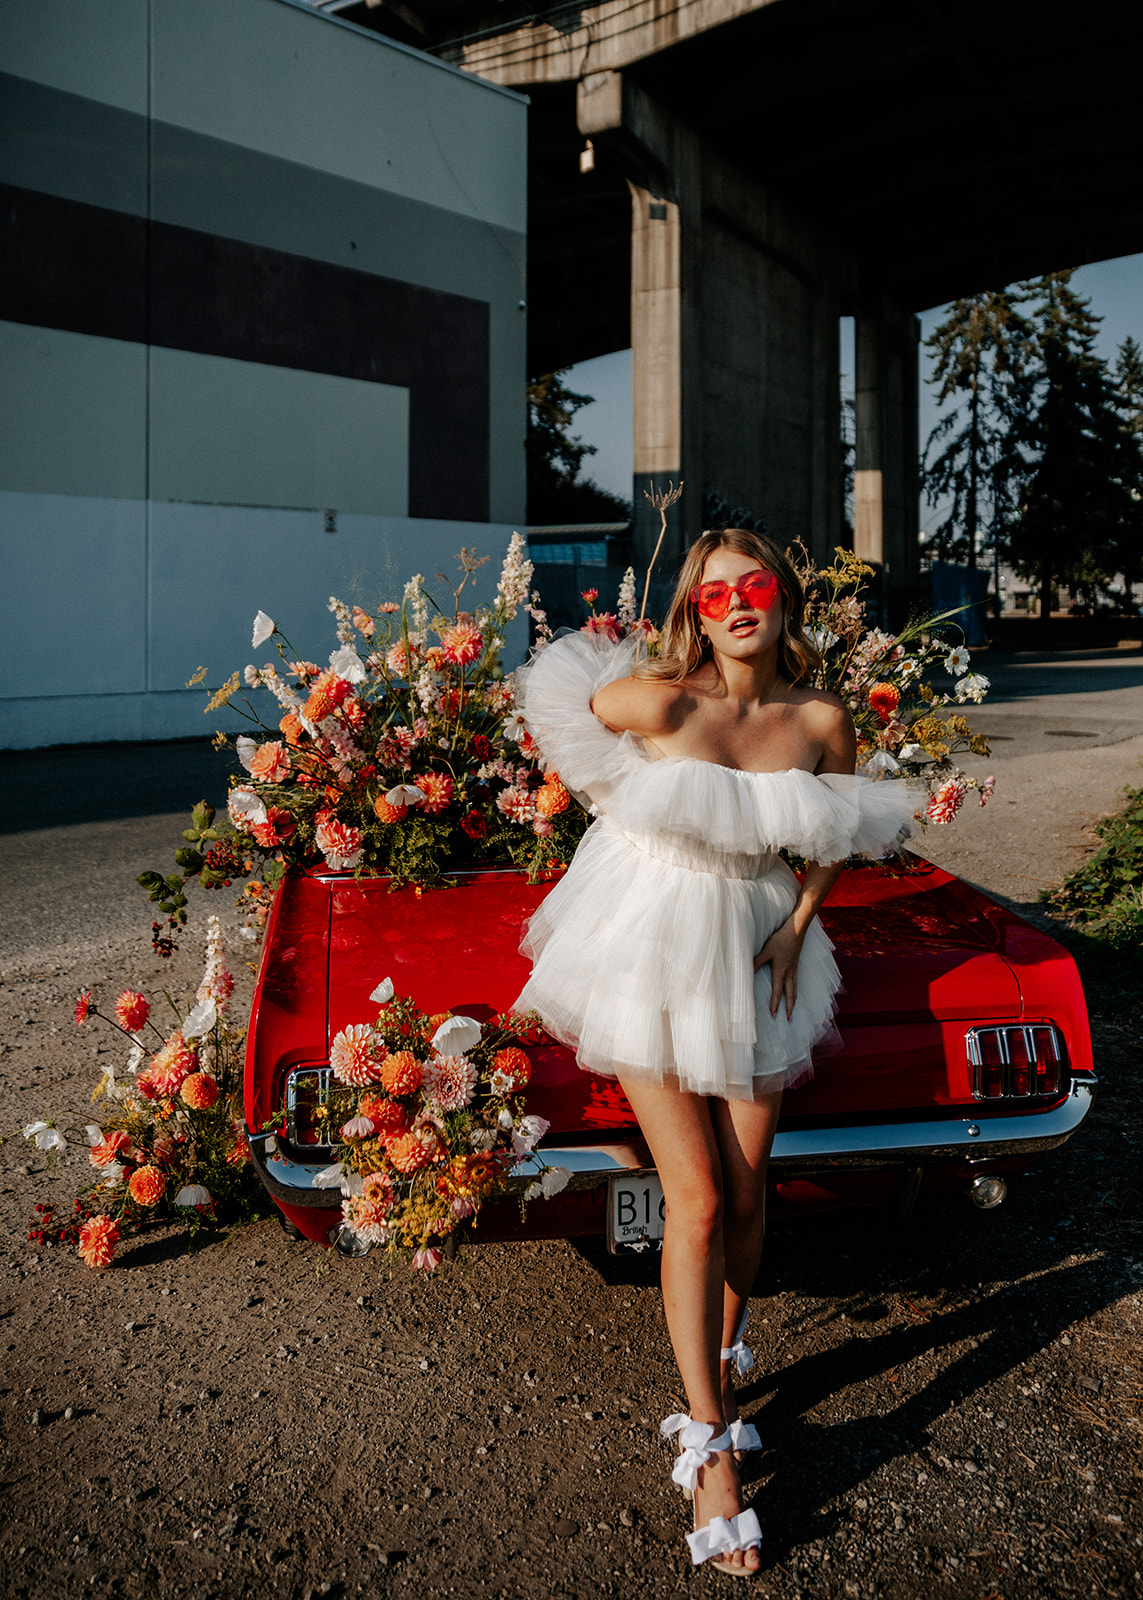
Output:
x=635 y=1213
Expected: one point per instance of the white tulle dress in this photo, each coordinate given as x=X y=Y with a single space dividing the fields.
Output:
x=644 y=952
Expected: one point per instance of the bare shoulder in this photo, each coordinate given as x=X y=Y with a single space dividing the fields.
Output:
x=827 y=720
x=646 y=706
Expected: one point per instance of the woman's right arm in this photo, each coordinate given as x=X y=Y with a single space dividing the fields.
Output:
x=645 y=706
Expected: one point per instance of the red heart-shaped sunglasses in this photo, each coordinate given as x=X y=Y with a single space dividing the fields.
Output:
x=756 y=591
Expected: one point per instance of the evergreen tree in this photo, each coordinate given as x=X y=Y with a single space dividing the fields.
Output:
x=554 y=456
x=977 y=349
x=1129 y=383
x=1075 y=465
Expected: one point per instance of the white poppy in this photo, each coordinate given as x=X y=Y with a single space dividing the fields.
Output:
x=505 y=1121
x=383 y=992
x=201 y=1020
x=914 y=752
x=348 y=664
x=882 y=762
x=405 y=794
x=193 y=1194
x=533 y=1192
x=456 y=1036
x=353 y=1184
x=93 y=1131
x=554 y=1179
x=263 y=628
x=245 y=748
x=45 y=1137
x=329 y=1177
x=113 y=1171
x=957 y=660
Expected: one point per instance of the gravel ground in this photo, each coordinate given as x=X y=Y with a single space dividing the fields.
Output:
x=952 y=1409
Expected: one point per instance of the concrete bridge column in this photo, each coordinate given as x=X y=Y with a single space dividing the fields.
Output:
x=886 y=488
x=734 y=328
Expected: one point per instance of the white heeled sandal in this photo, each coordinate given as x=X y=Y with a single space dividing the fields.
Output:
x=722 y=1536
x=743 y=1435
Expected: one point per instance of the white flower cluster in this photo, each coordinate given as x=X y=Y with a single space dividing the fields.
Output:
x=515 y=577
x=344 y=619
x=625 y=606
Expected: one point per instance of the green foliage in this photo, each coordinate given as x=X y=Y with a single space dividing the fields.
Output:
x=1105 y=894
x=555 y=456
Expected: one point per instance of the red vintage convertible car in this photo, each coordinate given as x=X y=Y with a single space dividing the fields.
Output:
x=966 y=1052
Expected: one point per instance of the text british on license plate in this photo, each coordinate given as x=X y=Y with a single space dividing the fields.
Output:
x=635 y=1212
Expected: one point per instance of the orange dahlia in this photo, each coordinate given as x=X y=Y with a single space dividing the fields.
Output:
x=97 y=1241
x=552 y=797
x=132 y=1010
x=146 y=1186
x=401 y=1073
x=408 y=1154
x=389 y=1117
x=462 y=643
x=437 y=790
x=83 y=1006
x=110 y=1148
x=270 y=763
x=174 y=1062
x=199 y=1091
x=884 y=700
x=513 y=1064
x=291 y=729
x=384 y=812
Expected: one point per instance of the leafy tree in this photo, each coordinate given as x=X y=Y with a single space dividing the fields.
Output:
x=1076 y=466
x=978 y=350
x=554 y=455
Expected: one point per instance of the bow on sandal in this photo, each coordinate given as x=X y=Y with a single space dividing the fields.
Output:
x=722 y=1536
x=743 y=1435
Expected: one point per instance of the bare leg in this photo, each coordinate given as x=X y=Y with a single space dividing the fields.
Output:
x=681 y=1131
x=745 y=1135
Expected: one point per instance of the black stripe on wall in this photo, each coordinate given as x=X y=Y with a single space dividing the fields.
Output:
x=87 y=269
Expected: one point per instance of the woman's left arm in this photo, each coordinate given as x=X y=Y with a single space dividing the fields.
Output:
x=784 y=946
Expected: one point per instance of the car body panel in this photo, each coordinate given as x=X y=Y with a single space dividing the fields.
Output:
x=924 y=958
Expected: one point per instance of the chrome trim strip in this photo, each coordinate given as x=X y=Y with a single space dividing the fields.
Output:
x=906 y=1144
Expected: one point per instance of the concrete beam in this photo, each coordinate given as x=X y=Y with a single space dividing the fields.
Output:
x=734 y=327
x=886 y=488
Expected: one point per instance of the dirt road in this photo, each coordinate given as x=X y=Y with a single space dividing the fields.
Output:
x=952 y=1410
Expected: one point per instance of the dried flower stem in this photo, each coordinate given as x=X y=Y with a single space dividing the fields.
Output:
x=661 y=499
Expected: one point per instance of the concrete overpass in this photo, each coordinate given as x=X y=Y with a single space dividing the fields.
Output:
x=760 y=168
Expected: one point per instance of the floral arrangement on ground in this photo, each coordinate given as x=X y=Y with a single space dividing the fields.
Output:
x=170 y=1144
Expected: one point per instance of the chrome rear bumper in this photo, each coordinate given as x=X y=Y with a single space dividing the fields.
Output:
x=881 y=1145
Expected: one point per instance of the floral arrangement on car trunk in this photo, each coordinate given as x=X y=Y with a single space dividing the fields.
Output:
x=171 y=1142
x=428 y=1116
x=904 y=727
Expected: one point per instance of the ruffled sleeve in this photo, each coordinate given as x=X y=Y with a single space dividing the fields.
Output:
x=824 y=818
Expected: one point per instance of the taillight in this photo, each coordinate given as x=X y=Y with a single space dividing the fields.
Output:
x=307 y=1091
x=1015 y=1063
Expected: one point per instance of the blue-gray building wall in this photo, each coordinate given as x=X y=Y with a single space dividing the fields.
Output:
x=259 y=267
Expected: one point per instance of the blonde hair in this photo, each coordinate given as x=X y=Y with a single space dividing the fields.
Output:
x=683 y=648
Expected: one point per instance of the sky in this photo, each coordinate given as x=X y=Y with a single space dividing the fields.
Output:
x=1115 y=289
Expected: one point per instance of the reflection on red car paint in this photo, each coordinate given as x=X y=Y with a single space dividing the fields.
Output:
x=938 y=979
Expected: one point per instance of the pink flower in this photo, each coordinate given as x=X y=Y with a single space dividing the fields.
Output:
x=388 y=607
x=516 y=803
x=83 y=1006
x=542 y=827
x=986 y=789
x=358 y=1128
x=340 y=844
x=437 y=790
x=590 y=595
x=352 y=1058
x=363 y=622
x=427 y=1259
x=449 y=1081
x=604 y=622
x=399 y=659
x=947 y=801
x=462 y=643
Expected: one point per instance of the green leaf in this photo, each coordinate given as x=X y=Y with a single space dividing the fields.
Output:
x=192 y=860
x=202 y=816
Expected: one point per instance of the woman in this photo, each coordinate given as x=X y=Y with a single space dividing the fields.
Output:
x=681 y=955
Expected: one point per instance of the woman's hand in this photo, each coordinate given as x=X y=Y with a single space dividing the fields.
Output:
x=781 y=951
